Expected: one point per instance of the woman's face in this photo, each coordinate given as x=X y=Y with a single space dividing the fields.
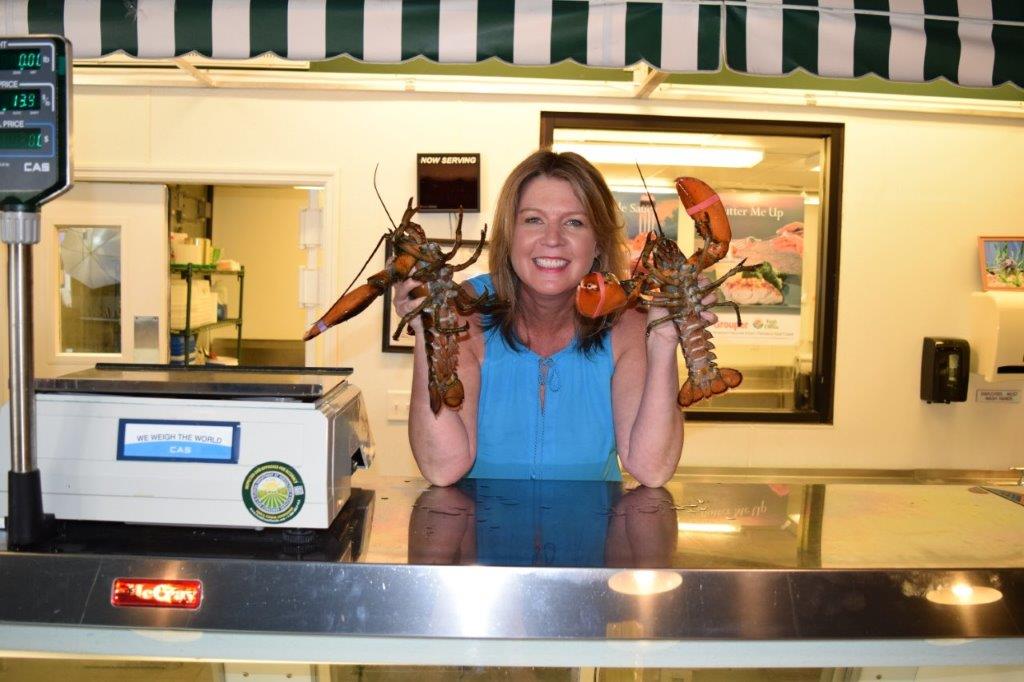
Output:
x=553 y=245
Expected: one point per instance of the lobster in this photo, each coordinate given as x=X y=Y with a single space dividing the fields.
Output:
x=424 y=261
x=663 y=277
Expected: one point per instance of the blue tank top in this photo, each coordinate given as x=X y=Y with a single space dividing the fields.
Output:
x=571 y=438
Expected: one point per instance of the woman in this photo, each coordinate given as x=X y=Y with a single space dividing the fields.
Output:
x=550 y=394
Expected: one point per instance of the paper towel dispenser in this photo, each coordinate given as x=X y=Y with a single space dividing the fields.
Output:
x=997 y=335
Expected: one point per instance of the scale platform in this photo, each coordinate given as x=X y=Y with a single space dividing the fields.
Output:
x=233 y=447
x=205 y=381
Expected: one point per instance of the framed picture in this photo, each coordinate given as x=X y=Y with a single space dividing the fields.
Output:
x=406 y=341
x=1002 y=263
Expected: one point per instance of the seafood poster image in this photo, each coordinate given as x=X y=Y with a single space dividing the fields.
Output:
x=1002 y=263
x=768 y=231
x=639 y=213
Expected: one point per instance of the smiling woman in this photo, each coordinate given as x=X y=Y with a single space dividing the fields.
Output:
x=550 y=394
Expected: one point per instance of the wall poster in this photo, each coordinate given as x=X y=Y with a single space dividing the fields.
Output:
x=768 y=231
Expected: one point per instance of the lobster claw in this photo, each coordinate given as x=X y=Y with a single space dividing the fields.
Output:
x=599 y=294
x=710 y=218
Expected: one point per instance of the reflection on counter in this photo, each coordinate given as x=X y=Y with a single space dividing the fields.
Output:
x=601 y=524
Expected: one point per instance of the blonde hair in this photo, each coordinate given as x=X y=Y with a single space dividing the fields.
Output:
x=603 y=215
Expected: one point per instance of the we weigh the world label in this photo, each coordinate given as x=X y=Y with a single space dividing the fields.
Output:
x=170 y=441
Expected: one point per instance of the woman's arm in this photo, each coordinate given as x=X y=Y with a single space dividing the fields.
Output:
x=648 y=423
x=444 y=445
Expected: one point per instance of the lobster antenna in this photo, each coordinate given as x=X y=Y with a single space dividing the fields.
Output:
x=379 y=242
x=381 y=200
x=654 y=207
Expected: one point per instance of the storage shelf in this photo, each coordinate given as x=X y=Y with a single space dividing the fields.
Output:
x=203 y=269
x=191 y=271
x=207 y=327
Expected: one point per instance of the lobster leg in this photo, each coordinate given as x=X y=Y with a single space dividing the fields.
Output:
x=654 y=323
x=735 y=307
x=408 y=317
x=476 y=253
x=739 y=267
x=458 y=240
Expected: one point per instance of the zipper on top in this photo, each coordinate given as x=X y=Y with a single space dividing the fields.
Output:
x=543 y=366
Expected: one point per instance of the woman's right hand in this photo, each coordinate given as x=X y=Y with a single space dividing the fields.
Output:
x=404 y=304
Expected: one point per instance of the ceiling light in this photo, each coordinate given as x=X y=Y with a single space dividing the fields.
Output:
x=643 y=137
x=675 y=155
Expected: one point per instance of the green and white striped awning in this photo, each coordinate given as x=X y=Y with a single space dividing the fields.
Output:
x=970 y=42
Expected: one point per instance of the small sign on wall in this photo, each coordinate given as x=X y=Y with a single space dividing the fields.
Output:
x=448 y=182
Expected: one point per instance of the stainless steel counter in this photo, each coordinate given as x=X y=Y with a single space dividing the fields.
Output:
x=498 y=561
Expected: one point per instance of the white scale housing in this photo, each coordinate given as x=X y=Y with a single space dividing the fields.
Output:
x=323 y=439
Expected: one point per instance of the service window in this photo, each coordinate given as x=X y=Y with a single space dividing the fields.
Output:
x=780 y=185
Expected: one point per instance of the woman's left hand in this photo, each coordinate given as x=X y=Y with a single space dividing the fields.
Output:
x=664 y=334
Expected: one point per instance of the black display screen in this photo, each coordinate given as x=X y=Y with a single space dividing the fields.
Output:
x=19 y=100
x=20 y=60
x=21 y=138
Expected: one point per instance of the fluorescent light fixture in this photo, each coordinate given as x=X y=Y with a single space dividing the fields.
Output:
x=708 y=527
x=314 y=188
x=642 y=137
x=644 y=582
x=811 y=199
x=674 y=155
x=963 y=594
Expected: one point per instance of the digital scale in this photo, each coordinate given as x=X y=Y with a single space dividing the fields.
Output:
x=228 y=447
x=148 y=444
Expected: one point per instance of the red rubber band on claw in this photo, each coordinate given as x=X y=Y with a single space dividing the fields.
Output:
x=697 y=208
x=601 y=292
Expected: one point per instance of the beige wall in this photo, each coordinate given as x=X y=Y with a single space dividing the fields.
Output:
x=917 y=191
x=259 y=228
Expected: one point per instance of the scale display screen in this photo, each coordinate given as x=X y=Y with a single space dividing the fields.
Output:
x=25 y=138
x=19 y=100
x=35 y=112
x=21 y=60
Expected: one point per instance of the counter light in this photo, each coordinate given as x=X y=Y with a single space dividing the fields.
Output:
x=708 y=527
x=157 y=593
x=644 y=582
x=675 y=155
x=963 y=594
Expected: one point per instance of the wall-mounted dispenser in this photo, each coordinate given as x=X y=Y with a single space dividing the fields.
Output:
x=944 y=370
x=997 y=335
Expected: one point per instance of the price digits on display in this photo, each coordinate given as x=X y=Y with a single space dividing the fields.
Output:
x=19 y=100
x=21 y=138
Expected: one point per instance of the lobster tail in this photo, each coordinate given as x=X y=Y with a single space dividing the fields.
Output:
x=719 y=381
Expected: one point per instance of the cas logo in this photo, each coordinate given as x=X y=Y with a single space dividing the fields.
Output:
x=37 y=166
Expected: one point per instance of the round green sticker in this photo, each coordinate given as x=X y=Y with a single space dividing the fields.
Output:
x=273 y=492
